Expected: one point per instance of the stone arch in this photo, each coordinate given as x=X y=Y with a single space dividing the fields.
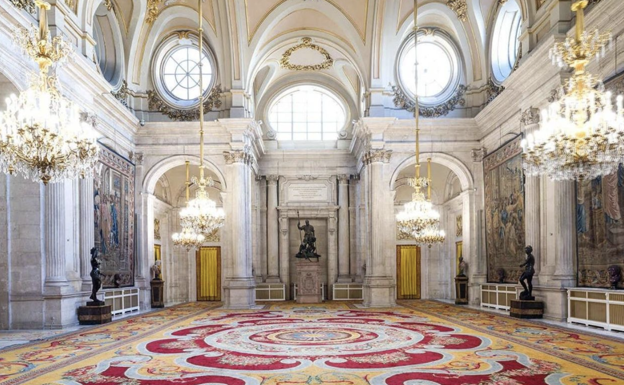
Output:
x=464 y=175
x=154 y=174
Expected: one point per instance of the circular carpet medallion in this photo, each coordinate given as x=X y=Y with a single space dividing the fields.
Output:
x=306 y=339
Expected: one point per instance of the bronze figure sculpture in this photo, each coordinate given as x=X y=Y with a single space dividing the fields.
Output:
x=307 y=249
x=96 y=279
x=615 y=276
x=526 y=279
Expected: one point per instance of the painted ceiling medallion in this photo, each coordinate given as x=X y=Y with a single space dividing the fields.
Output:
x=306 y=43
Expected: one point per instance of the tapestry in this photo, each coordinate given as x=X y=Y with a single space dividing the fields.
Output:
x=504 y=212
x=600 y=228
x=113 y=199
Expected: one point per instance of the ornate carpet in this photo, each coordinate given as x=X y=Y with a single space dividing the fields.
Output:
x=423 y=342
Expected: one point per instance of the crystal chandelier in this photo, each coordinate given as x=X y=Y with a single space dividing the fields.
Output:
x=419 y=220
x=188 y=238
x=202 y=214
x=581 y=135
x=42 y=135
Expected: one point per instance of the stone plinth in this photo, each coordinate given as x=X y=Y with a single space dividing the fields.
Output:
x=158 y=289
x=461 y=290
x=309 y=282
x=94 y=315
x=526 y=309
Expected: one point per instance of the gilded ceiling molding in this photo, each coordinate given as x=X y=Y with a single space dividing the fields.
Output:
x=306 y=43
x=27 y=5
x=157 y=104
x=403 y=101
x=108 y=4
x=72 y=4
x=152 y=11
x=501 y=2
x=459 y=7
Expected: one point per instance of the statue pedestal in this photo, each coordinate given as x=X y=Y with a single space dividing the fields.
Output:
x=309 y=282
x=526 y=309
x=461 y=290
x=92 y=314
x=158 y=289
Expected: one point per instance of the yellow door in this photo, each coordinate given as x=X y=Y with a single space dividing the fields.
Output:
x=408 y=272
x=209 y=274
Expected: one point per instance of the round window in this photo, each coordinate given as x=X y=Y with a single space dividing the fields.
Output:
x=177 y=68
x=505 y=40
x=438 y=67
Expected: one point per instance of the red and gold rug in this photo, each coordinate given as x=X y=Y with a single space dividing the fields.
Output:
x=424 y=343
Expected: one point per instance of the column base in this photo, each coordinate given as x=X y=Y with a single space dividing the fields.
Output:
x=379 y=292
x=273 y=279
x=239 y=293
x=344 y=279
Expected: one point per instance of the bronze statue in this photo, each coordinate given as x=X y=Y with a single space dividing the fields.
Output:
x=307 y=249
x=615 y=276
x=527 y=275
x=96 y=279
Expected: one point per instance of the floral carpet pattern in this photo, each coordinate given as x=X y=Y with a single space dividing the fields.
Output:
x=421 y=342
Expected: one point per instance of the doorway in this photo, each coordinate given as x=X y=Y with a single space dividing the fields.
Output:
x=209 y=274
x=408 y=272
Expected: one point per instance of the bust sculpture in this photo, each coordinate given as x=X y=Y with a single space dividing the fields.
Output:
x=500 y=272
x=156 y=271
x=615 y=276
x=96 y=279
x=526 y=279
x=307 y=249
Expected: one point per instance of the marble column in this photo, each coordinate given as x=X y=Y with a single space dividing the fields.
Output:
x=332 y=252
x=532 y=197
x=379 y=286
x=55 y=239
x=284 y=257
x=87 y=231
x=475 y=216
x=344 y=239
x=239 y=284
x=566 y=234
x=272 y=230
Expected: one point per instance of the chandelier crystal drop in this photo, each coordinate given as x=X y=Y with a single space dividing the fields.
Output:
x=201 y=216
x=581 y=135
x=42 y=134
x=419 y=220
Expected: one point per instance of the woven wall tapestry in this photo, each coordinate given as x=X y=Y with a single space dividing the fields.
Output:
x=504 y=212
x=114 y=217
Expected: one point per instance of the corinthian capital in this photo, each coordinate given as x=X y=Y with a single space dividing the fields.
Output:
x=238 y=156
x=377 y=156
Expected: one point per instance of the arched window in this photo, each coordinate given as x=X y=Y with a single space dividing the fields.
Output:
x=307 y=113
x=505 y=40
x=439 y=67
x=108 y=47
x=177 y=69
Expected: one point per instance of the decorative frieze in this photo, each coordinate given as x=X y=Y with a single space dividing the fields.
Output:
x=27 y=5
x=377 y=156
x=239 y=156
x=306 y=43
x=403 y=101
x=530 y=117
x=478 y=154
x=213 y=101
x=459 y=7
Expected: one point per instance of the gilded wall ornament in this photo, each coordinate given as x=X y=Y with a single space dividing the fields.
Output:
x=108 y=4
x=27 y=5
x=493 y=90
x=459 y=226
x=72 y=4
x=403 y=101
x=212 y=102
x=306 y=43
x=157 y=229
x=459 y=7
x=152 y=11
x=122 y=93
